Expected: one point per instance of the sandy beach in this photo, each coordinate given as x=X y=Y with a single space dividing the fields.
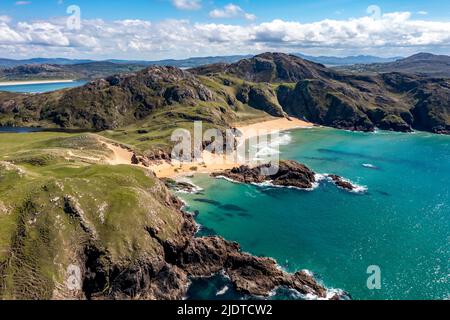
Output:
x=210 y=162
x=214 y=163
x=23 y=83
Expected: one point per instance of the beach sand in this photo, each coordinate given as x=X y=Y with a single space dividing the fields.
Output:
x=210 y=162
x=20 y=83
x=215 y=163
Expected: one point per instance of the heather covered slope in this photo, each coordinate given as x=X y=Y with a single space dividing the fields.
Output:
x=392 y=101
x=272 y=84
x=122 y=100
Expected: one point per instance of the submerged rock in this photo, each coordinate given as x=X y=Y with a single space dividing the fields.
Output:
x=180 y=186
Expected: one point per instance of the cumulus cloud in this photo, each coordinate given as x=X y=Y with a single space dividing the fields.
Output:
x=231 y=11
x=187 y=4
x=5 y=19
x=393 y=33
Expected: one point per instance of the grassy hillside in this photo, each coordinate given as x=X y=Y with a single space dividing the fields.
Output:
x=86 y=70
x=58 y=205
x=159 y=99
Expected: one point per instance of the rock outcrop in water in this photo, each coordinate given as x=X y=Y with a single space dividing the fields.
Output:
x=287 y=173
x=341 y=183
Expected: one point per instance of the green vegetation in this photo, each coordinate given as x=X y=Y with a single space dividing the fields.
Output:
x=40 y=237
x=88 y=70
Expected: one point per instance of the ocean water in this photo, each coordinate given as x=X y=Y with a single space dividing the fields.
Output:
x=42 y=87
x=401 y=224
x=18 y=130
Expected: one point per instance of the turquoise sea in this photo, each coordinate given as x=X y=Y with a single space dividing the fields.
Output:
x=401 y=224
x=42 y=87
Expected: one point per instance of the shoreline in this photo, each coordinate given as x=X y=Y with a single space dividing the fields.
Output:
x=24 y=83
x=215 y=163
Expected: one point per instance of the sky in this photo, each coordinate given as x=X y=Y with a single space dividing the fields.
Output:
x=175 y=29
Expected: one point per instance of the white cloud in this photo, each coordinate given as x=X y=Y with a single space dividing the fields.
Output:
x=5 y=19
x=422 y=13
x=393 y=33
x=22 y=3
x=9 y=36
x=231 y=11
x=187 y=4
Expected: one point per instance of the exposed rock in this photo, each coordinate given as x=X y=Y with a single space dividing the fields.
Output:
x=265 y=99
x=72 y=208
x=269 y=67
x=341 y=183
x=286 y=173
x=200 y=257
x=180 y=186
x=134 y=159
x=394 y=123
x=276 y=83
x=3 y=209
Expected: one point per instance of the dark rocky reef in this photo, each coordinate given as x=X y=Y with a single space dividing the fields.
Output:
x=287 y=173
x=341 y=183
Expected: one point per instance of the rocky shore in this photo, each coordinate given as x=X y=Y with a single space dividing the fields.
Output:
x=186 y=257
x=287 y=173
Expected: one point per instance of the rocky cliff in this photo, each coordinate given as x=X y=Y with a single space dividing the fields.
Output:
x=276 y=84
x=74 y=228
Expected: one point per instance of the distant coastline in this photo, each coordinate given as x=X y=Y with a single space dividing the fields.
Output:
x=18 y=83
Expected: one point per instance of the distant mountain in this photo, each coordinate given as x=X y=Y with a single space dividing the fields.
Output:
x=194 y=61
x=88 y=70
x=343 y=61
x=8 y=63
x=184 y=63
x=271 y=83
x=59 y=68
x=421 y=63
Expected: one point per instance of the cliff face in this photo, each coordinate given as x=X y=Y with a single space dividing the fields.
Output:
x=72 y=228
x=391 y=101
x=277 y=84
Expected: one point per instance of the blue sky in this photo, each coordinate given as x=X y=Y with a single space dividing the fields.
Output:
x=303 y=10
x=182 y=28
